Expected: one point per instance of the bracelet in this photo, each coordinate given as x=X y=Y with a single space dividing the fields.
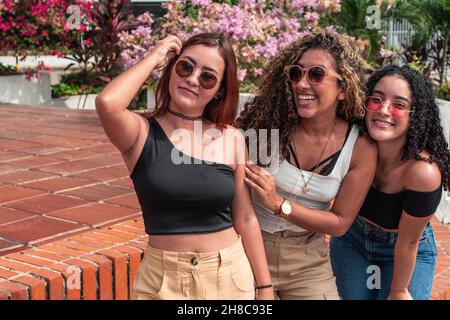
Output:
x=264 y=286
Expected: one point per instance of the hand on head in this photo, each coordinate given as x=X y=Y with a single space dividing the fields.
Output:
x=166 y=49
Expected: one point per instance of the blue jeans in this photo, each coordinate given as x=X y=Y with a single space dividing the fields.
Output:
x=366 y=250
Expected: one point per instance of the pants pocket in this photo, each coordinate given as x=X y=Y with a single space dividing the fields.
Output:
x=318 y=247
x=149 y=282
x=242 y=274
x=236 y=280
x=423 y=239
x=427 y=244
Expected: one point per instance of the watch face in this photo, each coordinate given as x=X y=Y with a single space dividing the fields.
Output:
x=286 y=208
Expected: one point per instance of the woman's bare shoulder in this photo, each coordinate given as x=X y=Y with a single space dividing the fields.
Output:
x=422 y=175
x=365 y=148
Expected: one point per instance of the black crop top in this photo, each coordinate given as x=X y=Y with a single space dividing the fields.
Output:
x=385 y=209
x=181 y=198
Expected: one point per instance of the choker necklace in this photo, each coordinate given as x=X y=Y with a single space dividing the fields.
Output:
x=183 y=116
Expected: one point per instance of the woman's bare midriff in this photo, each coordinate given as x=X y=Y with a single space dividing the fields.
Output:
x=199 y=242
x=385 y=230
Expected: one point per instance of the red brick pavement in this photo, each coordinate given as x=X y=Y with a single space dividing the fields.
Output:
x=59 y=176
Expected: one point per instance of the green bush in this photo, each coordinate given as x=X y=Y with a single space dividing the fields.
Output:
x=65 y=89
x=91 y=78
x=4 y=69
x=77 y=83
x=139 y=102
x=444 y=91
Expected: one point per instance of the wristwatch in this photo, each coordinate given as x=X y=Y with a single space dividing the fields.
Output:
x=285 y=209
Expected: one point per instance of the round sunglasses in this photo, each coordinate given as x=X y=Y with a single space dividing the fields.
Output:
x=184 y=68
x=314 y=74
x=398 y=109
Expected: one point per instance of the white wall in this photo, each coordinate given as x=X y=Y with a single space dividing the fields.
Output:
x=444 y=111
x=17 y=89
x=443 y=212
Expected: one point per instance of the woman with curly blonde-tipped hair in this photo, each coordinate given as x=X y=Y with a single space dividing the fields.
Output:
x=312 y=93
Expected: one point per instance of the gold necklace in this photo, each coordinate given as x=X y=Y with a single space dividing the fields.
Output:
x=305 y=188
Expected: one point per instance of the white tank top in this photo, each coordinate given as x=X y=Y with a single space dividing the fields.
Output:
x=322 y=189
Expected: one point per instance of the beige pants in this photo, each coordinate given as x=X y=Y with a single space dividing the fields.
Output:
x=169 y=275
x=299 y=264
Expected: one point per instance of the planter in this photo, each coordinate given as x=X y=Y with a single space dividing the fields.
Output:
x=75 y=102
x=243 y=98
x=17 y=89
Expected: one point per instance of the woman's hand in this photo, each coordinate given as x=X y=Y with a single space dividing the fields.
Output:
x=263 y=183
x=399 y=295
x=165 y=50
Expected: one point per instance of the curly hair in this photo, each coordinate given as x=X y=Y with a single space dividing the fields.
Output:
x=425 y=130
x=274 y=107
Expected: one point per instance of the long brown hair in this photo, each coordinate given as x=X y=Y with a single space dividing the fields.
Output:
x=274 y=108
x=221 y=111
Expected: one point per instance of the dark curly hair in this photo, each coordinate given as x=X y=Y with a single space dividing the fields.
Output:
x=274 y=107
x=425 y=130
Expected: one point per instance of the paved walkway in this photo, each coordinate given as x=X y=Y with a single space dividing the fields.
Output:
x=66 y=201
x=59 y=176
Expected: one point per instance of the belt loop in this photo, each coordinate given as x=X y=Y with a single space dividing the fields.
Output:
x=360 y=222
x=225 y=257
x=170 y=260
x=366 y=228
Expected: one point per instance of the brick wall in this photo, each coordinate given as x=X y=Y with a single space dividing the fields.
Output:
x=99 y=264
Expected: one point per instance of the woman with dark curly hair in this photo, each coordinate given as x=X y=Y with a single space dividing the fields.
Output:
x=389 y=251
x=312 y=93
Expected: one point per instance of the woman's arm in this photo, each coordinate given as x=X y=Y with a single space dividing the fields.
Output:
x=347 y=203
x=424 y=177
x=405 y=252
x=247 y=226
x=122 y=126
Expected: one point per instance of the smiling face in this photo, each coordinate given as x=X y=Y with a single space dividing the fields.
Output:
x=187 y=94
x=381 y=124
x=315 y=99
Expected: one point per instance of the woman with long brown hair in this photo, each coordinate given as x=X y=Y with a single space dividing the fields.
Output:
x=204 y=238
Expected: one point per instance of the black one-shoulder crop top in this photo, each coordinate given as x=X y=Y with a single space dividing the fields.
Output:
x=183 y=198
